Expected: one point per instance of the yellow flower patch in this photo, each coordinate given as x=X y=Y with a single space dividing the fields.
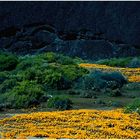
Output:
x=76 y=124
x=133 y=74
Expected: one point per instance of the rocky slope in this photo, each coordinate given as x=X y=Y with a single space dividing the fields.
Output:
x=91 y=30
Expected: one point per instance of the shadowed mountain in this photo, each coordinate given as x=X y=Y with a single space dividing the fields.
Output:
x=91 y=30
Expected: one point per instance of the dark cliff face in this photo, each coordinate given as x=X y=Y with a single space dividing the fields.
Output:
x=117 y=22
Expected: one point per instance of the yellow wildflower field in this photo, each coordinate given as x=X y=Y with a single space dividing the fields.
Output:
x=133 y=74
x=74 y=124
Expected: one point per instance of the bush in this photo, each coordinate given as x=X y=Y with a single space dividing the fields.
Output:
x=3 y=76
x=24 y=95
x=62 y=76
x=113 y=93
x=103 y=82
x=78 y=60
x=65 y=60
x=59 y=103
x=56 y=75
x=8 y=62
x=135 y=63
x=7 y=85
x=51 y=78
x=33 y=75
x=135 y=86
x=115 y=103
x=50 y=57
x=30 y=74
x=116 y=78
x=24 y=64
x=73 y=72
x=115 y=62
x=29 y=62
x=133 y=107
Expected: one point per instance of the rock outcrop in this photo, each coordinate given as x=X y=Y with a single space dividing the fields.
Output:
x=90 y=30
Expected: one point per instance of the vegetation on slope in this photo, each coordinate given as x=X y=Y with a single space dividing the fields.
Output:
x=26 y=81
x=130 y=62
x=133 y=74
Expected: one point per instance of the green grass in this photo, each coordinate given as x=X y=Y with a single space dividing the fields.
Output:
x=133 y=106
x=118 y=62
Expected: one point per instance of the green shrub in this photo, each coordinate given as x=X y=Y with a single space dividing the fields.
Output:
x=65 y=60
x=115 y=62
x=3 y=76
x=102 y=82
x=78 y=60
x=59 y=73
x=113 y=93
x=33 y=75
x=116 y=78
x=93 y=81
x=24 y=64
x=134 y=63
x=30 y=74
x=116 y=104
x=24 y=95
x=73 y=72
x=50 y=57
x=51 y=78
x=30 y=61
x=132 y=86
x=7 y=85
x=59 y=103
x=62 y=76
x=8 y=62
x=133 y=107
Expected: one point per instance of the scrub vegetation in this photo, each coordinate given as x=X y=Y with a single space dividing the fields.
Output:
x=54 y=82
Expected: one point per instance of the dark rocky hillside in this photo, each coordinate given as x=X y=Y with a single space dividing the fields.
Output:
x=90 y=30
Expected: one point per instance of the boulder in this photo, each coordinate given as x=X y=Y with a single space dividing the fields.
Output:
x=43 y=37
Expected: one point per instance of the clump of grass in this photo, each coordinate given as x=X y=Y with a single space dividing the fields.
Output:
x=133 y=107
x=59 y=103
x=120 y=62
x=8 y=61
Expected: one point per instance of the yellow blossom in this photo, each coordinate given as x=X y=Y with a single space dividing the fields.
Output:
x=76 y=124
